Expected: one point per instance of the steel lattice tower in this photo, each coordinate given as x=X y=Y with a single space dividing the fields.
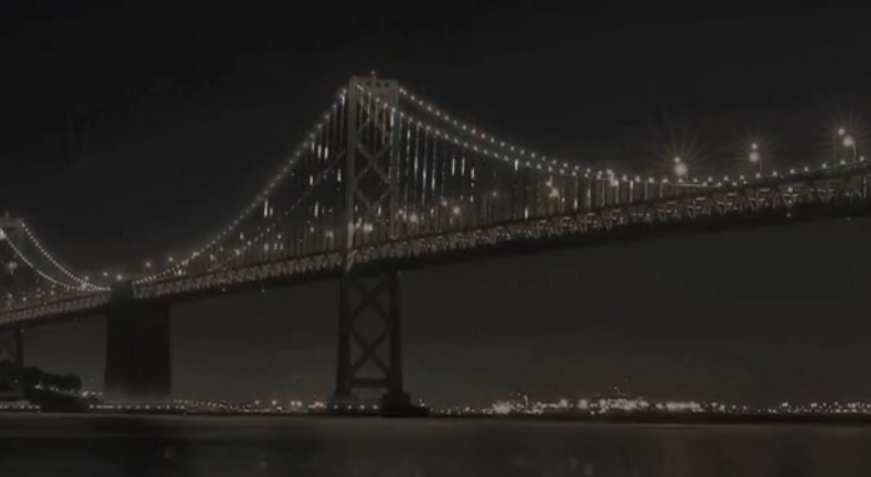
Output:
x=370 y=202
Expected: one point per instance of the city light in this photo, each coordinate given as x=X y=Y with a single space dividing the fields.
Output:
x=754 y=153
x=618 y=405
x=681 y=169
x=849 y=141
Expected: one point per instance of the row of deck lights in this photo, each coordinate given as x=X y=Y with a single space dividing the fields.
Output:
x=681 y=170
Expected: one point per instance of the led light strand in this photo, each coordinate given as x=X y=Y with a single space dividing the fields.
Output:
x=56 y=263
x=272 y=226
x=295 y=156
x=514 y=155
x=532 y=156
x=24 y=258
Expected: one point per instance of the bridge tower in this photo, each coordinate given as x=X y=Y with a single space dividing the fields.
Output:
x=369 y=298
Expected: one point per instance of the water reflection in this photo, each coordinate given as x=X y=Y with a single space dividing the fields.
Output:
x=117 y=447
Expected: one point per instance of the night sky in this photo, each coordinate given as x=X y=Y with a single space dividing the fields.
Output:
x=135 y=128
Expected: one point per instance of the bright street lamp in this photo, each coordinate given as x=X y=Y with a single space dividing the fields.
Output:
x=681 y=169
x=850 y=143
x=755 y=157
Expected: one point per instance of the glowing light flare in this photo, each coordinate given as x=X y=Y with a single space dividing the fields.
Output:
x=848 y=141
x=754 y=156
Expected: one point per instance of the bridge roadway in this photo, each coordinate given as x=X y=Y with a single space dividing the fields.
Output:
x=801 y=197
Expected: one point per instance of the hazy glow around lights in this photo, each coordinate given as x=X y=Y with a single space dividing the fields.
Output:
x=849 y=141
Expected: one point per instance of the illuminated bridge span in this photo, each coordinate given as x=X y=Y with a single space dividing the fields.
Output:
x=386 y=181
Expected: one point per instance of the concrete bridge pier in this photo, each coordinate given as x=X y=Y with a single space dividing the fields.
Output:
x=11 y=362
x=137 y=353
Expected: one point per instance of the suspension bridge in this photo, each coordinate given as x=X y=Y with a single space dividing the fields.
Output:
x=384 y=182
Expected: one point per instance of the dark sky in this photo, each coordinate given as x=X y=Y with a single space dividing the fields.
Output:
x=130 y=128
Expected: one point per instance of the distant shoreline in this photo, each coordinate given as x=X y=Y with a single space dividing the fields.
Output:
x=683 y=419
x=662 y=419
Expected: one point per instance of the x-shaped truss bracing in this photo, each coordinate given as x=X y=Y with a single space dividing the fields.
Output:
x=372 y=185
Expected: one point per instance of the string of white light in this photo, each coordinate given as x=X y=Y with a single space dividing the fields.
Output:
x=258 y=199
x=535 y=157
x=27 y=261
x=32 y=237
x=529 y=157
x=256 y=240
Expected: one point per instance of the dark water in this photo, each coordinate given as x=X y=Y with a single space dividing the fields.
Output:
x=172 y=446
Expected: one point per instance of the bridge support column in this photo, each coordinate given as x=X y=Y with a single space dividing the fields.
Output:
x=137 y=353
x=370 y=341
x=369 y=299
x=11 y=362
